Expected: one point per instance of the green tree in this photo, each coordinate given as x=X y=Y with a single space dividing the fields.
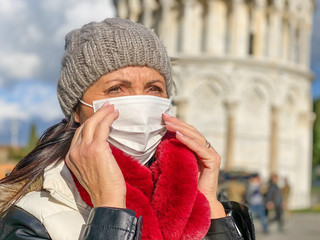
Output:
x=19 y=153
x=33 y=138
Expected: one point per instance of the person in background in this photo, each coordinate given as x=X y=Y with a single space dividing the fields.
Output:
x=256 y=201
x=274 y=200
x=286 y=189
x=236 y=189
x=118 y=158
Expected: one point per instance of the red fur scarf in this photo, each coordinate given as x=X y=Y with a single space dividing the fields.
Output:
x=166 y=195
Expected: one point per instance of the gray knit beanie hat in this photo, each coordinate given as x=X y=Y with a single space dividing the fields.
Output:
x=102 y=47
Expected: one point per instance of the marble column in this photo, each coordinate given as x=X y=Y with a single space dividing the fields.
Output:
x=274 y=140
x=285 y=40
x=293 y=39
x=197 y=27
x=216 y=27
x=168 y=29
x=230 y=135
x=304 y=171
x=305 y=42
x=135 y=10
x=259 y=28
x=274 y=47
x=239 y=29
x=149 y=6
x=181 y=104
x=187 y=22
x=122 y=9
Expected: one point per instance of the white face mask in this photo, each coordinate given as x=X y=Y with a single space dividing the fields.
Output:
x=139 y=128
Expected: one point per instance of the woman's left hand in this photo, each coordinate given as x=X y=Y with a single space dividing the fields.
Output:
x=209 y=161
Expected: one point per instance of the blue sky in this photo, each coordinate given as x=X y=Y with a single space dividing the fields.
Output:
x=32 y=40
x=315 y=52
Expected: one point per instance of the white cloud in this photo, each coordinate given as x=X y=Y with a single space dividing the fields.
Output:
x=19 y=65
x=12 y=8
x=54 y=6
x=11 y=111
x=41 y=102
x=31 y=100
x=34 y=34
x=47 y=110
x=84 y=12
x=25 y=103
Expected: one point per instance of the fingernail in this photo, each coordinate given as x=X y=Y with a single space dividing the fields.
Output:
x=106 y=104
x=179 y=133
x=116 y=110
x=166 y=114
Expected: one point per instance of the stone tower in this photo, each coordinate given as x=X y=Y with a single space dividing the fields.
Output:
x=243 y=78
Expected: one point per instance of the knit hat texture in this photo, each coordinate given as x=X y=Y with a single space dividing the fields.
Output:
x=102 y=47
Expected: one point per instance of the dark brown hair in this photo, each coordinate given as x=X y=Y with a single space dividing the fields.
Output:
x=52 y=148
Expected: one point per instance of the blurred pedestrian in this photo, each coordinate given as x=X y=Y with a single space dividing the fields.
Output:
x=286 y=195
x=236 y=190
x=255 y=200
x=274 y=200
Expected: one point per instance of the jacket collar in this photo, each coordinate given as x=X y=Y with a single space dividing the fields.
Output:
x=59 y=183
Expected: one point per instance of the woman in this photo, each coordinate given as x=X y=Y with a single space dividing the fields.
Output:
x=112 y=164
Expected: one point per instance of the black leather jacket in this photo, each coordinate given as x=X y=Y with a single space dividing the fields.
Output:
x=16 y=223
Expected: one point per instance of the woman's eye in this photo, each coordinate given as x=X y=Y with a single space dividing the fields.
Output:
x=114 y=89
x=156 y=89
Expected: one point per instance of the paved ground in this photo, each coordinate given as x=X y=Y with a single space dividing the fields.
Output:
x=301 y=226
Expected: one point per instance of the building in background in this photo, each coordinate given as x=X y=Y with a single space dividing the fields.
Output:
x=243 y=78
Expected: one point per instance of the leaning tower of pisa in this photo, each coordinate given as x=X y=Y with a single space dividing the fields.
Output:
x=243 y=78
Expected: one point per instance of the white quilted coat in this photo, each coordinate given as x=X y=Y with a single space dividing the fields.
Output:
x=59 y=206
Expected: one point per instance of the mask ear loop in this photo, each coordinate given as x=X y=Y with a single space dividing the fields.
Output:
x=84 y=103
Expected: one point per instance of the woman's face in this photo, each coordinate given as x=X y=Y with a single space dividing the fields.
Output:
x=122 y=82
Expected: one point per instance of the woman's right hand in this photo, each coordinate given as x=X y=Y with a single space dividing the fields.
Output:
x=91 y=161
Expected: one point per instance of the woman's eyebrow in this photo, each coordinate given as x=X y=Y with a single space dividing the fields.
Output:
x=123 y=81
x=153 y=82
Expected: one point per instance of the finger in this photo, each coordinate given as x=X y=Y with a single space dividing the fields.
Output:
x=102 y=129
x=199 y=149
x=76 y=138
x=91 y=123
x=208 y=157
x=72 y=155
x=190 y=133
x=168 y=118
